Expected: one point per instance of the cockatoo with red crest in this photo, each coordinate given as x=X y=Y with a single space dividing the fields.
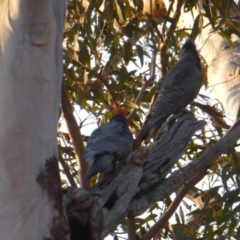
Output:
x=109 y=143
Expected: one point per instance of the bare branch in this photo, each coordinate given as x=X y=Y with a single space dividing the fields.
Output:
x=131 y=227
x=159 y=162
x=75 y=136
x=176 y=17
x=114 y=193
x=170 y=8
x=172 y=208
x=213 y=113
x=179 y=177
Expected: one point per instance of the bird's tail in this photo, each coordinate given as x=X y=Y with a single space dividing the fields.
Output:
x=149 y=129
x=100 y=164
x=90 y=172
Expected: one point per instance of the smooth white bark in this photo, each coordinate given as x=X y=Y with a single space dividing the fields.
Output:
x=30 y=81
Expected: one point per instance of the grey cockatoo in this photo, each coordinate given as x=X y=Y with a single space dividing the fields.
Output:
x=109 y=143
x=176 y=90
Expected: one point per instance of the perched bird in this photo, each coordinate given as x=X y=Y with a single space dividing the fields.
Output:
x=176 y=90
x=109 y=143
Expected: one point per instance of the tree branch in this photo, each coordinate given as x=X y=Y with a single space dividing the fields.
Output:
x=135 y=186
x=102 y=80
x=145 y=86
x=114 y=194
x=75 y=136
x=213 y=113
x=131 y=227
x=176 y=17
x=139 y=98
x=172 y=208
x=179 y=177
x=171 y=30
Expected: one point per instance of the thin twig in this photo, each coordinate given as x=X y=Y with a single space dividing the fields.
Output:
x=102 y=80
x=167 y=15
x=138 y=140
x=75 y=136
x=163 y=51
x=145 y=86
x=139 y=98
x=170 y=32
x=96 y=75
x=172 y=208
x=237 y=166
x=176 y=17
x=131 y=227
x=67 y=171
x=213 y=113
x=90 y=8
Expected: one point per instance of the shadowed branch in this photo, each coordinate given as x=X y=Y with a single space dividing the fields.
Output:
x=75 y=136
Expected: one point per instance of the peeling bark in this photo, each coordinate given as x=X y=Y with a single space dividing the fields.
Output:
x=120 y=192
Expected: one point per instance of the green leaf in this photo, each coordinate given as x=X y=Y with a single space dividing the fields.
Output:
x=130 y=105
x=127 y=52
x=182 y=214
x=197 y=27
x=138 y=4
x=232 y=227
x=122 y=8
x=128 y=10
x=209 y=12
x=189 y=4
x=83 y=55
x=177 y=218
x=140 y=53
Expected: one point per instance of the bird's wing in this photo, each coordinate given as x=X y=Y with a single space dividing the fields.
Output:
x=111 y=138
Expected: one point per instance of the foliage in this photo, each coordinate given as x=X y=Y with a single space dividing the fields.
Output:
x=109 y=56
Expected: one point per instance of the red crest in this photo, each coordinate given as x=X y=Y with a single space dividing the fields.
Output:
x=122 y=112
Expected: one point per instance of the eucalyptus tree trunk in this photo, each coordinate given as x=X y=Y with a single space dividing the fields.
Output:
x=30 y=83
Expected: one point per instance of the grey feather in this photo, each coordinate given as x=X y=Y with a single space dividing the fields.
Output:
x=102 y=163
x=176 y=90
x=109 y=143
